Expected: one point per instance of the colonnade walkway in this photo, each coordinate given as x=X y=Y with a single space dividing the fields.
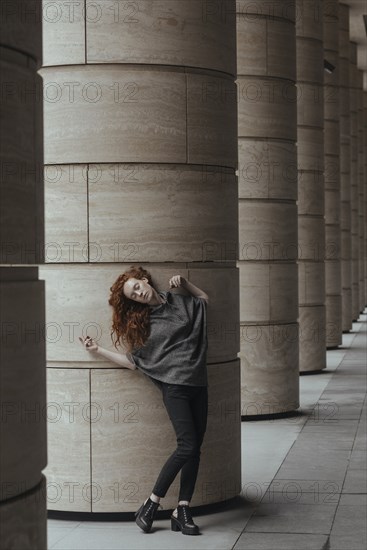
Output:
x=304 y=478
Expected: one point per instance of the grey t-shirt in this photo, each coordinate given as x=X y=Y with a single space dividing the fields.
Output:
x=175 y=351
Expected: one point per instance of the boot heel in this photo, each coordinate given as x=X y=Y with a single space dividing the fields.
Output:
x=174 y=526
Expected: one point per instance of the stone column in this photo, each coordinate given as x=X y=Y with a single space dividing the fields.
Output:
x=140 y=153
x=266 y=66
x=354 y=177
x=345 y=191
x=365 y=177
x=311 y=222
x=23 y=445
x=361 y=194
x=333 y=300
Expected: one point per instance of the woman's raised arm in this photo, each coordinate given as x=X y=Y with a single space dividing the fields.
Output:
x=120 y=358
x=178 y=280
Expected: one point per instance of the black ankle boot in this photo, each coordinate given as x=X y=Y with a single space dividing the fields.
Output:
x=144 y=517
x=184 y=521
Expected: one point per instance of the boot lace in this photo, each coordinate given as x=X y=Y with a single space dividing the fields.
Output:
x=187 y=514
x=151 y=509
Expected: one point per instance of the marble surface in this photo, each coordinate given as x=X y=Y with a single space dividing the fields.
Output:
x=311 y=283
x=331 y=106
x=310 y=66
x=69 y=415
x=143 y=115
x=180 y=206
x=311 y=205
x=332 y=210
x=345 y=222
x=310 y=147
x=266 y=109
x=140 y=114
x=309 y=19
x=263 y=45
x=267 y=169
x=333 y=276
x=166 y=32
x=267 y=230
x=265 y=295
x=312 y=322
x=211 y=120
x=346 y=308
x=64 y=32
x=344 y=157
x=311 y=238
x=311 y=199
x=310 y=103
x=330 y=24
x=344 y=110
x=66 y=213
x=262 y=8
x=333 y=315
x=268 y=247
x=269 y=366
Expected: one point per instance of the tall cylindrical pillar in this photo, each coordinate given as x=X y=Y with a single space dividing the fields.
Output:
x=311 y=222
x=266 y=67
x=361 y=194
x=333 y=299
x=140 y=153
x=365 y=177
x=345 y=188
x=354 y=177
x=23 y=443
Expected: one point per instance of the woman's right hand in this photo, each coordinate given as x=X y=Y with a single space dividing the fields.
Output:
x=88 y=343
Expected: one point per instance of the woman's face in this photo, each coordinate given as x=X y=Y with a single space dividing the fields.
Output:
x=138 y=290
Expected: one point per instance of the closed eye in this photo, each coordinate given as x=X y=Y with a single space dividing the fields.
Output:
x=133 y=293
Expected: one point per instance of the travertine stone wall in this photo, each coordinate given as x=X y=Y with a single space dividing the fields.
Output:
x=365 y=179
x=333 y=299
x=311 y=222
x=345 y=187
x=354 y=177
x=141 y=153
x=266 y=67
x=23 y=445
x=361 y=194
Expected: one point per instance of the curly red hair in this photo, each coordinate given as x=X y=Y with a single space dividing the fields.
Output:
x=130 y=319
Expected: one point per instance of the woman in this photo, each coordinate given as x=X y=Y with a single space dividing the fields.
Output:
x=165 y=337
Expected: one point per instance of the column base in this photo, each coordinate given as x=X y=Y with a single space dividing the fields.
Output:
x=232 y=502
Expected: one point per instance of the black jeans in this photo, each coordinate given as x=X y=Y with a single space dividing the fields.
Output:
x=187 y=407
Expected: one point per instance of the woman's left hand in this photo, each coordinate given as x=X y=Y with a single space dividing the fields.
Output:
x=176 y=281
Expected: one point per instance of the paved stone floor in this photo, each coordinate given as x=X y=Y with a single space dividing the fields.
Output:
x=304 y=478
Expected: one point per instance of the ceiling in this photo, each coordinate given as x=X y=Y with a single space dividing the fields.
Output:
x=358 y=8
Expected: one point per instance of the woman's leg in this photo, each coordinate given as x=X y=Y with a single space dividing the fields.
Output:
x=189 y=472
x=177 y=400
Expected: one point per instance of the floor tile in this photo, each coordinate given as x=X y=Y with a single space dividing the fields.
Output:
x=292 y=518
x=358 y=460
x=349 y=529
x=280 y=541
x=323 y=491
x=56 y=534
x=355 y=481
